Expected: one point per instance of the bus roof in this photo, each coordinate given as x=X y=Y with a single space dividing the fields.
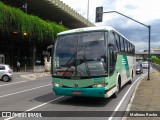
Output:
x=85 y=29
x=95 y=28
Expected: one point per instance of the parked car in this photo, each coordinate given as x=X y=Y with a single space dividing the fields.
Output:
x=5 y=72
x=139 y=68
x=145 y=64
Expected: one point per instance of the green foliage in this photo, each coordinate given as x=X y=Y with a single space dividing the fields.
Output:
x=12 y=19
x=155 y=60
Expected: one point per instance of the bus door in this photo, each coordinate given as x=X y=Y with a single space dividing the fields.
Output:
x=112 y=59
x=112 y=62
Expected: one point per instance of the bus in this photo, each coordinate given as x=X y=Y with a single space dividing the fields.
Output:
x=92 y=62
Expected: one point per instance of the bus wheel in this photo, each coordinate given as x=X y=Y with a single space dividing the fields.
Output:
x=117 y=87
x=130 y=81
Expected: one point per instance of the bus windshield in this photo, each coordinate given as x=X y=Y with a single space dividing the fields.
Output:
x=82 y=54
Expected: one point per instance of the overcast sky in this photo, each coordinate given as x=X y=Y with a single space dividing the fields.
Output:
x=145 y=11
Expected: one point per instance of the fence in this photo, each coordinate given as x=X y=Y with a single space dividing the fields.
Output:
x=155 y=66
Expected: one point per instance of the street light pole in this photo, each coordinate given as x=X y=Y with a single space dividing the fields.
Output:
x=88 y=13
x=149 y=37
x=127 y=17
x=88 y=10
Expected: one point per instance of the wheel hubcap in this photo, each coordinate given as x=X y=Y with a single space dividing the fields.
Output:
x=5 y=78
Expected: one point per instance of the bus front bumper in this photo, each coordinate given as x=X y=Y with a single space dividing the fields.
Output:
x=87 y=92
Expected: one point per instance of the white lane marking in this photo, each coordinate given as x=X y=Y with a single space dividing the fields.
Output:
x=12 y=83
x=43 y=104
x=24 y=91
x=116 y=109
x=17 y=82
x=36 y=107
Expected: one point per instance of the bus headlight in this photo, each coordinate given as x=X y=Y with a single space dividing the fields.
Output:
x=57 y=85
x=99 y=85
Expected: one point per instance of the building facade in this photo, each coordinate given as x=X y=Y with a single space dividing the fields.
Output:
x=30 y=51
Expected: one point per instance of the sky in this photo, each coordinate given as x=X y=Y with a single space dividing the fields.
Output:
x=144 y=11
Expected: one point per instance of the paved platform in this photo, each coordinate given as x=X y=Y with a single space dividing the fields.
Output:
x=146 y=98
x=31 y=75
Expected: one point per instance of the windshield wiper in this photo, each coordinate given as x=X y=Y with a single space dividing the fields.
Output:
x=72 y=58
x=68 y=65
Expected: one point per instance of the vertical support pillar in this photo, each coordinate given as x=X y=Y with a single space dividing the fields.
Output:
x=25 y=66
x=34 y=55
x=12 y=63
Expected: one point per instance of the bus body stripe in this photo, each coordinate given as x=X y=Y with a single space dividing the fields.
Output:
x=126 y=65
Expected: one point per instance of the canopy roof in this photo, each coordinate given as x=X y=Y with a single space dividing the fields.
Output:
x=53 y=10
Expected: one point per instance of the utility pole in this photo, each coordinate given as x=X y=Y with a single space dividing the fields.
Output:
x=99 y=12
x=88 y=13
x=88 y=10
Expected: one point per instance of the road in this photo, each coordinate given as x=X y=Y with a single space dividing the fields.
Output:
x=36 y=95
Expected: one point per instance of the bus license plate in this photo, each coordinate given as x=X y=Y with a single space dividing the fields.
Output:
x=76 y=93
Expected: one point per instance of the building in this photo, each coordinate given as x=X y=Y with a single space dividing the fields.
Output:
x=18 y=45
x=156 y=50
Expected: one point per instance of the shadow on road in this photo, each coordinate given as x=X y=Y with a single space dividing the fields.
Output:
x=80 y=101
x=85 y=101
x=74 y=101
x=45 y=98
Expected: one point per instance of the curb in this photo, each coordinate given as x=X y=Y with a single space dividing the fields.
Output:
x=131 y=100
x=132 y=97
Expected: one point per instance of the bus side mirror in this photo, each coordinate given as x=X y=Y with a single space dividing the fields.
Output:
x=49 y=52
x=48 y=57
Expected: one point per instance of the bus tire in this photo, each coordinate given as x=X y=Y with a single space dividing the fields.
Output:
x=130 y=81
x=118 y=86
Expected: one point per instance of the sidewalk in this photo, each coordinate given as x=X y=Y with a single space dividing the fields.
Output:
x=146 y=98
x=31 y=75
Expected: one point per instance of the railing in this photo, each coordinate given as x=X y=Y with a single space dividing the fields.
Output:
x=156 y=66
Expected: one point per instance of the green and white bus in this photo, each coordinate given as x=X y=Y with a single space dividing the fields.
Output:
x=92 y=62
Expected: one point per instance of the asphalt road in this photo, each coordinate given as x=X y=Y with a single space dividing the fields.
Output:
x=36 y=95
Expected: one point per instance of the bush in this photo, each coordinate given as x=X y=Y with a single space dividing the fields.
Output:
x=12 y=18
x=155 y=60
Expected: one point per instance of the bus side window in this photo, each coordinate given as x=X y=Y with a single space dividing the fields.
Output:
x=133 y=49
x=112 y=39
x=117 y=41
x=130 y=48
x=122 y=44
x=126 y=46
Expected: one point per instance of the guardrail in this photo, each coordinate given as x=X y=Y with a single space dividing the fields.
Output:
x=156 y=66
